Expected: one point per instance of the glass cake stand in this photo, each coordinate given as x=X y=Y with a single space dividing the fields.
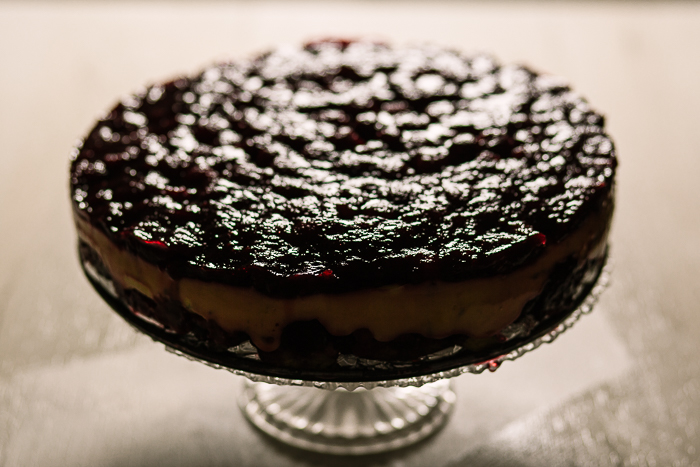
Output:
x=366 y=406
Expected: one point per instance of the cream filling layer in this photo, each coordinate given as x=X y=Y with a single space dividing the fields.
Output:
x=475 y=307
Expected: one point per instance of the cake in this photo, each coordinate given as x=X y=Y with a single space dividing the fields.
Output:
x=347 y=198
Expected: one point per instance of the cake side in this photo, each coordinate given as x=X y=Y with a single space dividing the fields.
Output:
x=435 y=309
x=307 y=344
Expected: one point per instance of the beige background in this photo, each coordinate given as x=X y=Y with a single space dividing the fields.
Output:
x=79 y=387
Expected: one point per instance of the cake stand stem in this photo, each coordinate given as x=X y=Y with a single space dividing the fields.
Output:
x=348 y=422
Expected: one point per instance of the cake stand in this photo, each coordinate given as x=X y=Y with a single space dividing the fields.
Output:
x=366 y=406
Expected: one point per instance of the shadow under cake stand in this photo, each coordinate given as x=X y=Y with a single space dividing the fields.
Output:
x=366 y=406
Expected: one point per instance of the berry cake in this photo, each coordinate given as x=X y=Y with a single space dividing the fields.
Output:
x=347 y=198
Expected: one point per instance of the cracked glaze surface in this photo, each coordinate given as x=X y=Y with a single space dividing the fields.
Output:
x=340 y=166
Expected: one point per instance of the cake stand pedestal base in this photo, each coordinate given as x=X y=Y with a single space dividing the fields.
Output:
x=348 y=422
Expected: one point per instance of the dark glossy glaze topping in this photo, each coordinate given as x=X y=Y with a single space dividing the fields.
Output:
x=339 y=166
